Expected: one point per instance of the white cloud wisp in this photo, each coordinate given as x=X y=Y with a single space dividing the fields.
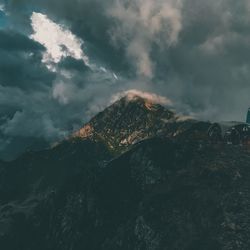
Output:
x=58 y=41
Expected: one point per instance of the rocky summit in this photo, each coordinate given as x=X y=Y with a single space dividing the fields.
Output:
x=127 y=121
x=135 y=177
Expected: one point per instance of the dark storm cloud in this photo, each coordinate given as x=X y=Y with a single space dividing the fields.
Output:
x=209 y=67
x=13 y=41
x=195 y=52
x=71 y=63
x=20 y=62
x=22 y=80
x=24 y=92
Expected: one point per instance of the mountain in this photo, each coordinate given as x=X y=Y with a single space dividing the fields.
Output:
x=132 y=119
x=126 y=122
x=136 y=177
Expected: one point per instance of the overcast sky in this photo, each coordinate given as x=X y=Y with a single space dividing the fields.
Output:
x=63 y=61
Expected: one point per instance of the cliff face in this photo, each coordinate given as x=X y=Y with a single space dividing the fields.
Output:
x=134 y=177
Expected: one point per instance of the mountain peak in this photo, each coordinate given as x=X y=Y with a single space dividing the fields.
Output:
x=134 y=116
x=150 y=101
x=134 y=95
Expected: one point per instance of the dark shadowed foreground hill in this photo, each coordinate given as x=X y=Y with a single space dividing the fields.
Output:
x=136 y=177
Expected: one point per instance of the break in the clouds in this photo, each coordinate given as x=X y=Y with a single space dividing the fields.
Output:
x=62 y=61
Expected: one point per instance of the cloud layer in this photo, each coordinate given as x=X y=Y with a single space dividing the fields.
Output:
x=141 y=24
x=194 y=52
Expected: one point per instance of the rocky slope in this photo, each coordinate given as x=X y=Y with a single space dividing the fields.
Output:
x=165 y=187
x=126 y=122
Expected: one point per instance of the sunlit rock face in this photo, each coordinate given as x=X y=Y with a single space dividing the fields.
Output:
x=85 y=132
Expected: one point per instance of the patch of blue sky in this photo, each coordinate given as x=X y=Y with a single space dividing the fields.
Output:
x=3 y=20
